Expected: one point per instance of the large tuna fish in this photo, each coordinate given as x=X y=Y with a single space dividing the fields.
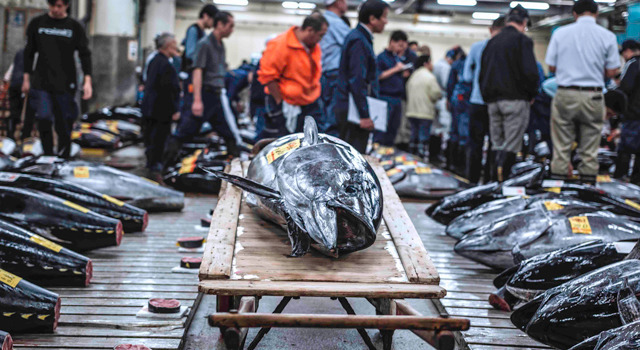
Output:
x=545 y=271
x=133 y=219
x=584 y=307
x=507 y=242
x=413 y=179
x=72 y=225
x=626 y=337
x=188 y=176
x=41 y=261
x=123 y=186
x=455 y=205
x=617 y=188
x=318 y=187
x=25 y=307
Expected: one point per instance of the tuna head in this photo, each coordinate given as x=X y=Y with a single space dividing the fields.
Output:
x=332 y=195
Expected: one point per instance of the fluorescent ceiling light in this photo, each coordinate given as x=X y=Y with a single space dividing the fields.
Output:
x=458 y=2
x=306 y=5
x=290 y=4
x=388 y=0
x=485 y=15
x=530 y=5
x=481 y=22
x=606 y=1
x=232 y=2
x=434 y=19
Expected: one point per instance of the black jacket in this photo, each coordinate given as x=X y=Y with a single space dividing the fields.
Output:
x=630 y=85
x=508 y=69
x=161 y=91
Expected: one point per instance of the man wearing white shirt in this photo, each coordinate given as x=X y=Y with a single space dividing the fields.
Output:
x=582 y=55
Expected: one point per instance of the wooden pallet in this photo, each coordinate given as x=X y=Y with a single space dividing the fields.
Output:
x=246 y=258
x=104 y=314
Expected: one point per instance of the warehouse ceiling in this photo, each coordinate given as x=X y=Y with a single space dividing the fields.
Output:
x=545 y=13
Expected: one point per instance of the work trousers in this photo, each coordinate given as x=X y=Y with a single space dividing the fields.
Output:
x=460 y=122
x=420 y=130
x=478 y=129
x=582 y=112
x=394 y=118
x=16 y=102
x=329 y=81
x=59 y=109
x=508 y=120
x=156 y=133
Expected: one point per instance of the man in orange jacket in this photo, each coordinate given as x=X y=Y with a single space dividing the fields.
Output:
x=290 y=69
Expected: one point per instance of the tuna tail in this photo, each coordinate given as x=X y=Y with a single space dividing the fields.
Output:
x=245 y=184
x=504 y=277
x=628 y=304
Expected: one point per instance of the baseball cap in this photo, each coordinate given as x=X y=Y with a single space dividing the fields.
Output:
x=630 y=44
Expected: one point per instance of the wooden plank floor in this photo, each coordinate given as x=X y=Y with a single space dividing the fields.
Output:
x=104 y=314
x=468 y=286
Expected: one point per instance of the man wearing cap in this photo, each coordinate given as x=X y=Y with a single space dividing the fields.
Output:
x=630 y=134
x=478 y=112
x=290 y=69
x=581 y=54
x=331 y=45
x=509 y=83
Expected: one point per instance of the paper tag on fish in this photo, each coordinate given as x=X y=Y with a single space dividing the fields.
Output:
x=76 y=207
x=81 y=172
x=633 y=204
x=423 y=170
x=393 y=171
x=554 y=189
x=410 y=163
x=9 y=279
x=282 y=150
x=603 y=178
x=401 y=159
x=8 y=177
x=28 y=148
x=187 y=168
x=46 y=243
x=513 y=191
x=385 y=151
x=76 y=135
x=107 y=137
x=552 y=206
x=552 y=183
x=580 y=224
x=113 y=200
x=46 y=160
x=386 y=162
x=624 y=247
x=150 y=181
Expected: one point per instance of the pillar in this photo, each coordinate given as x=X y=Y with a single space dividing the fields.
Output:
x=160 y=16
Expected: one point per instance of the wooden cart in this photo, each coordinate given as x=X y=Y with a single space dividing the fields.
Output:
x=246 y=258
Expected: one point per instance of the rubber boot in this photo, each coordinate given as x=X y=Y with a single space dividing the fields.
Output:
x=451 y=154
x=507 y=164
x=423 y=148
x=622 y=165
x=461 y=161
x=435 y=147
x=413 y=148
x=171 y=152
x=496 y=166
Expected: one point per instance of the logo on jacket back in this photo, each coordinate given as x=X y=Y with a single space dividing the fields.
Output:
x=67 y=33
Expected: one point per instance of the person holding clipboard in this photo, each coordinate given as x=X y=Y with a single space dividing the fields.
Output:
x=358 y=77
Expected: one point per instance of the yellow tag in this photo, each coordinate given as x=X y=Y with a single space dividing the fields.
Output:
x=551 y=206
x=113 y=200
x=76 y=135
x=603 y=178
x=81 y=172
x=462 y=179
x=386 y=162
x=46 y=243
x=107 y=137
x=400 y=159
x=187 y=168
x=393 y=171
x=631 y=203
x=385 y=151
x=553 y=189
x=282 y=150
x=9 y=279
x=412 y=162
x=76 y=207
x=423 y=170
x=85 y=126
x=580 y=224
x=28 y=148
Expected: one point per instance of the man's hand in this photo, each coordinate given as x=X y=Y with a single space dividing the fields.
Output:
x=399 y=67
x=366 y=123
x=197 y=108
x=406 y=73
x=87 y=90
x=26 y=86
x=615 y=133
x=532 y=101
x=175 y=116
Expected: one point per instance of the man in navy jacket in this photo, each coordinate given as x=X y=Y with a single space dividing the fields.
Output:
x=358 y=74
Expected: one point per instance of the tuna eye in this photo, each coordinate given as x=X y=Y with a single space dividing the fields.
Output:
x=350 y=189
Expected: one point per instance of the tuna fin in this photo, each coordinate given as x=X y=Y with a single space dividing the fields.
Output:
x=300 y=240
x=603 y=339
x=518 y=258
x=628 y=304
x=310 y=131
x=245 y=184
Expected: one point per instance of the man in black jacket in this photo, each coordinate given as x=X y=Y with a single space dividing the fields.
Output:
x=52 y=84
x=160 y=103
x=630 y=134
x=509 y=83
x=17 y=99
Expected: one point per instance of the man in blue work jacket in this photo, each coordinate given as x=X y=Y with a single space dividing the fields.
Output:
x=357 y=73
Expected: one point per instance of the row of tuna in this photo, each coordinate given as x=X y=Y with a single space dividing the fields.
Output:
x=567 y=250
